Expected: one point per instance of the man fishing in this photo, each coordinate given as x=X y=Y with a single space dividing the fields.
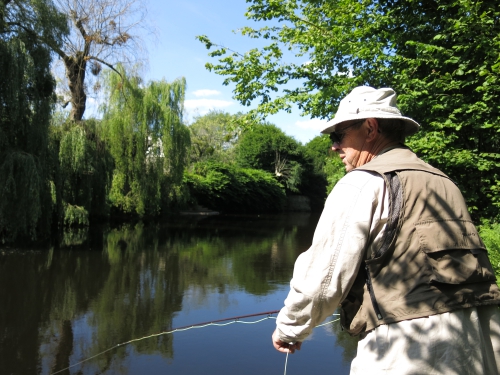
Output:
x=396 y=250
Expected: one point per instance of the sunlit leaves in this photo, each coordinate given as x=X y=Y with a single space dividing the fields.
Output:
x=229 y=188
x=148 y=141
x=213 y=137
x=441 y=56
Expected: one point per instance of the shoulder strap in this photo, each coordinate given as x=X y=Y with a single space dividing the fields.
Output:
x=395 y=208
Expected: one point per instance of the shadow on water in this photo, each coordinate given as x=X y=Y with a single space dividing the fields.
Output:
x=108 y=286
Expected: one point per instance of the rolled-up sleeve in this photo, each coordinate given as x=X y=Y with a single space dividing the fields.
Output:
x=350 y=226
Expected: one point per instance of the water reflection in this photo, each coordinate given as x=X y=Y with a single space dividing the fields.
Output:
x=113 y=285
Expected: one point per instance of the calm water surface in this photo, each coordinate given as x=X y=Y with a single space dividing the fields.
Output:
x=62 y=306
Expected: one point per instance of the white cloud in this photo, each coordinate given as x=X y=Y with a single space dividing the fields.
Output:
x=203 y=106
x=206 y=92
x=313 y=124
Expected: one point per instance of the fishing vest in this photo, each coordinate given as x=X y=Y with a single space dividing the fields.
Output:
x=431 y=259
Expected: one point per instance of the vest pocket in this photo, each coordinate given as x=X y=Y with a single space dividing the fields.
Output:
x=454 y=252
x=352 y=318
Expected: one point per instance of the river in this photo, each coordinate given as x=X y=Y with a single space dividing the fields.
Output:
x=72 y=305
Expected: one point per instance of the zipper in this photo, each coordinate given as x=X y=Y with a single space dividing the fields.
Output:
x=369 y=285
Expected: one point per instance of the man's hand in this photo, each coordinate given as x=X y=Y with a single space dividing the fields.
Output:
x=284 y=347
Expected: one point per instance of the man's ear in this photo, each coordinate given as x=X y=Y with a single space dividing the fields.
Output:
x=372 y=129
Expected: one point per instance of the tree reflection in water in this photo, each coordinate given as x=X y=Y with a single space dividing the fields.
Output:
x=60 y=306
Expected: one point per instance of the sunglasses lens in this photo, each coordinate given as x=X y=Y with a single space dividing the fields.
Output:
x=335 y=138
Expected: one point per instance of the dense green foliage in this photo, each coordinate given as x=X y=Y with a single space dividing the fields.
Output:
x=319 y=149
x=267 y=147
x=326 y=162
x=449 y=74
x=36 y=21
x=217 y=140
x=148 y=141
x=441 y=56
x=490 y=233
x=213 y=137
x=26 y=98
x=82 y=170
x=300 y=169
x=228 y=188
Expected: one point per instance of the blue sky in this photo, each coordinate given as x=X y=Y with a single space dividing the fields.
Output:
x=177 y=53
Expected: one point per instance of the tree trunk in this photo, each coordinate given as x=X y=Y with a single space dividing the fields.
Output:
x=75 y=72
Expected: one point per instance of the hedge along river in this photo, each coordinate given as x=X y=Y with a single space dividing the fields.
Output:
x=61 y=306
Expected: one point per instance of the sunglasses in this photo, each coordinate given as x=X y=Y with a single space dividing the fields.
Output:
x=337 y=137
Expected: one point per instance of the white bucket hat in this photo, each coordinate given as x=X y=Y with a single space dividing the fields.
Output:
x=366 y=102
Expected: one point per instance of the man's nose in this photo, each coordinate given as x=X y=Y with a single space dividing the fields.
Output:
x=335 y=147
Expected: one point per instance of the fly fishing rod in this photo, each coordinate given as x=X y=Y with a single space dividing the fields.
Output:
x=236 y=318
x=218 y=322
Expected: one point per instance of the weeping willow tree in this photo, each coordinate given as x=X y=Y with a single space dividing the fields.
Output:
x=148 y=141
x=26 y=99
x=82 y=171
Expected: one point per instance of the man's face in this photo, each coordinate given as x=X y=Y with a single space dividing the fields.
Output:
x=351 y=145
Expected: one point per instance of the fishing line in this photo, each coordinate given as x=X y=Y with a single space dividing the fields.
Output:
x=180 y=329
x=216 y=323
x=321 y=325
x=286 y=360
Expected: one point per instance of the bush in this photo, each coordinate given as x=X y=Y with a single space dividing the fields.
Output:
x=227 y=188
x=490 y=233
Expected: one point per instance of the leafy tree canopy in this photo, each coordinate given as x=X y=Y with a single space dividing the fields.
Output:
x=441 y=56
x=148 y=140
x=324 y=160
x=318 y=150
x=33 y=19
x=213 y=137
x=267 y=147
x=26 y=99
x=263 y=145
x=82 y=169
